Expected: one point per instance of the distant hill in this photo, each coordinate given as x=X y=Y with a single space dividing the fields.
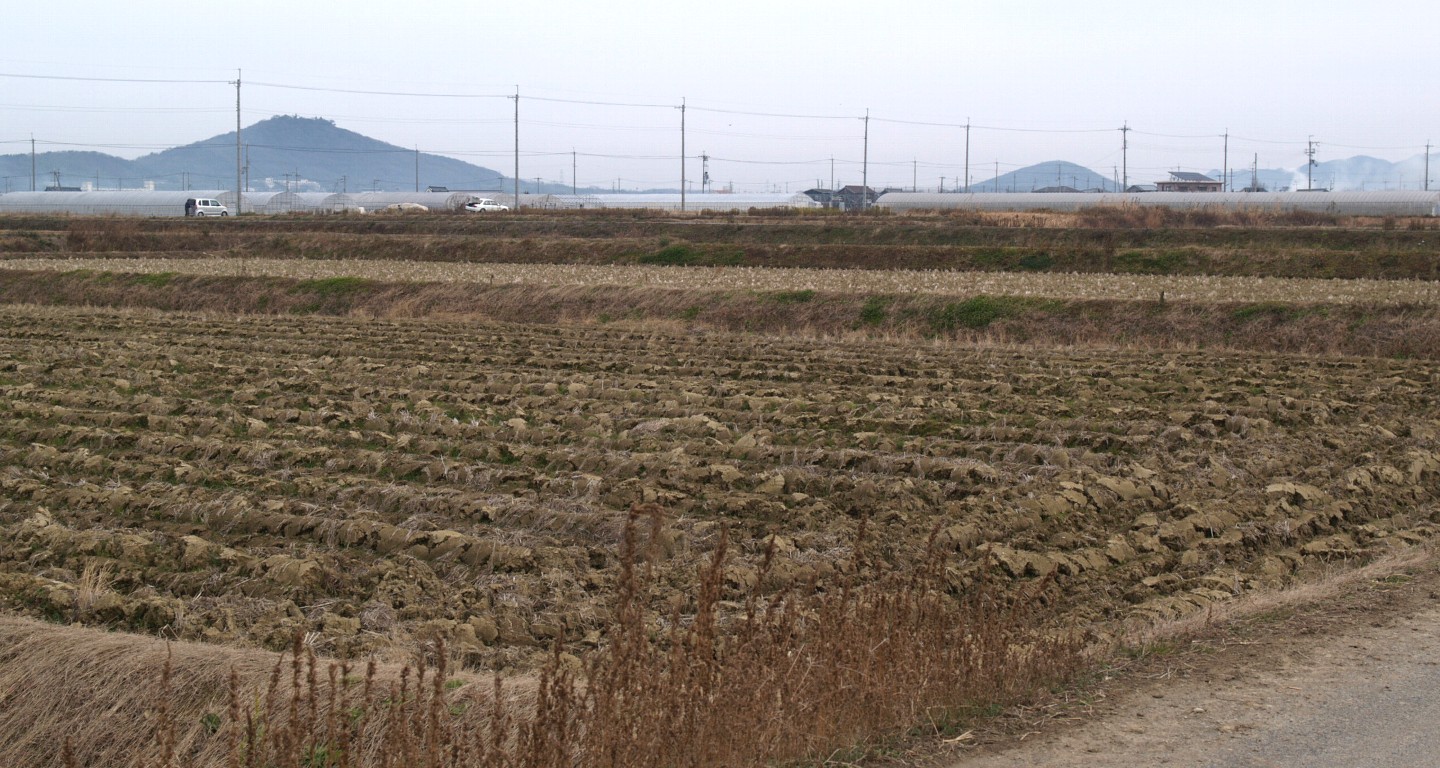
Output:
x=325 y=157
x=322 y=156
x=108 y=168
x=1047 y=176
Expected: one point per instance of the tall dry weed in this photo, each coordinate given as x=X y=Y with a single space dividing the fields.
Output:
x=93 y=585
x=794 y=675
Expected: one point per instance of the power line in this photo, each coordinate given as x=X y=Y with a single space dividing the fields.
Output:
x=599 y=103
x=775 y=114
x=113 y=79
x=990 y=127
x=416 y=94
x=119 y=110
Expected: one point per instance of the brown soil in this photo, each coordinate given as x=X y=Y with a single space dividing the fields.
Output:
x=378 y=484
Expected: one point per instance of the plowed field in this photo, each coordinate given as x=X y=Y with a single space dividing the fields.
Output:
x=896 y=469
x=376 y=484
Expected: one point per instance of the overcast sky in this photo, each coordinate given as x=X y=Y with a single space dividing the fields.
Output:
x=1038 y=80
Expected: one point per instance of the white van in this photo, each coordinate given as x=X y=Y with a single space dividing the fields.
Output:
x=205 y=206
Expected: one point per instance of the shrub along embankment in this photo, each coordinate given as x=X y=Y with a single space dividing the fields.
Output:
x=1409 y=331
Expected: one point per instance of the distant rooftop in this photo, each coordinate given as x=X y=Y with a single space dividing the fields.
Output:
x=1188 y=176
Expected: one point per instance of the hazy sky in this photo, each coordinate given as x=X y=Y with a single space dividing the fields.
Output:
x=1037 y=80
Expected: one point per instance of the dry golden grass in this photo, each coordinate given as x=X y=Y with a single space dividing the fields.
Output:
x=801 y=676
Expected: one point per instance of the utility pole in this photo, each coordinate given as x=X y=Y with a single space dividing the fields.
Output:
x=32 y=162
x=682 y=153
x=967 y=155
x=865 y=166
x=997 y=175
x=1427 y=165
x=417 y=167
x=1310 y=164
x=239 y=201
x=942 y=185
x=704 y=172
x=1225 y=164
x=914 y=175
x=1125 y=156
x=574 y=182
x=517 y=147
x=832 y=176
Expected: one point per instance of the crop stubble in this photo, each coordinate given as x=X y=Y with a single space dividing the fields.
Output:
x=378 y=485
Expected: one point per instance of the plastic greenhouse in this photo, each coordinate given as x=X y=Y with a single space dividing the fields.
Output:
x=710 y=201
x=1342 y=203
x=435 y=201
x=105 y=203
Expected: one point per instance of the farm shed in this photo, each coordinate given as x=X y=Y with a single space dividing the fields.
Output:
x=1343 y=203
x=104 y=203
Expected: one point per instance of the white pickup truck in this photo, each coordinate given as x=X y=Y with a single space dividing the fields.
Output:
x=485 y=205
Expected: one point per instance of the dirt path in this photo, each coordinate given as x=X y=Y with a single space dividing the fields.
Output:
x=1355 y=682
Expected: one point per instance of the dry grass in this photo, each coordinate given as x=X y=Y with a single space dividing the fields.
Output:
x=804 y=675
x=1162 y=323
x=94 y=584
x=1318 y=588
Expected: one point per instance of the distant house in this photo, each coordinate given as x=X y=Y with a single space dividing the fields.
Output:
x=827 y=198
x=855 y=197
x=1054 y=189
x=1185 y=181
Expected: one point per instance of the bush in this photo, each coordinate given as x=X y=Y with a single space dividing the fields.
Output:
x=792 y=297
x=333 y=286
x=672 y=256
x=873 y=313
x=974 y=313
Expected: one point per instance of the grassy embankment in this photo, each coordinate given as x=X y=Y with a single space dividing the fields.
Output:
x=1368 y=329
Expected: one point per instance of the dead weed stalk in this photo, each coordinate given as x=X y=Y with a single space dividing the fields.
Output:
x=745 y=678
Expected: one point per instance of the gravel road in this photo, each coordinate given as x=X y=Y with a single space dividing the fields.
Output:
x=1367 y=697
